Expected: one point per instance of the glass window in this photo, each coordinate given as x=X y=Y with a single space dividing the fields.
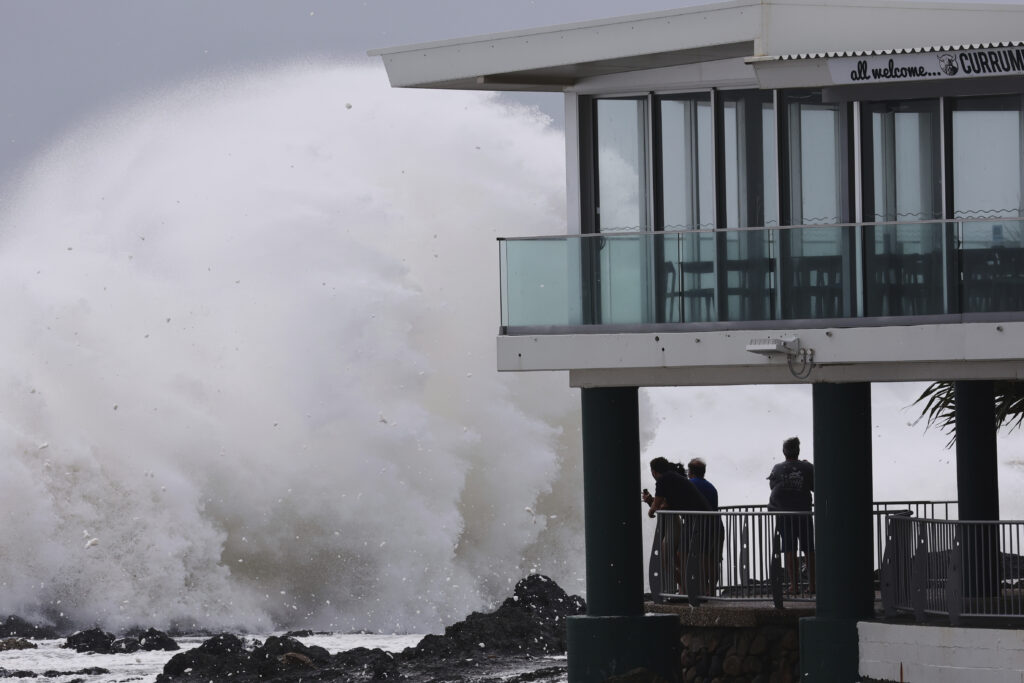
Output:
x=686 y=200
x=903 y=182
x=816 y=262
x=750 y=200
x=987 y=158
x=685 y=153
x=621 y=165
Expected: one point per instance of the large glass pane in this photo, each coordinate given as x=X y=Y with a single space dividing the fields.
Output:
x=987 y=188
x=623 y=277
x=686 y=202
x=750 y=193
x=535 y=286
x=816 y=263
x=902 y=183
x=814 y=282
x=992 y=260
x=904 y=269
x=987 y=157
x=621 y=165
x=685 y=153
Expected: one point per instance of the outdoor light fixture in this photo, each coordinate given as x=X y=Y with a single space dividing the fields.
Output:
x=770 y=346
x=799 y=360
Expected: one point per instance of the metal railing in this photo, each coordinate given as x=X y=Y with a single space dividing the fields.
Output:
x=729 y=555
x=953 y=568
x=739 y=553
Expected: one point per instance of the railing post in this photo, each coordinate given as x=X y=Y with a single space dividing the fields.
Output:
x=775 y=573
x=655 y=564
x=954 y=578
x=888 y=575
x=745 y=552
x=692 y=564
x=919 y=573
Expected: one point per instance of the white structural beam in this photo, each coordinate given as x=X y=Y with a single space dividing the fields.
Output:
x=876 y=354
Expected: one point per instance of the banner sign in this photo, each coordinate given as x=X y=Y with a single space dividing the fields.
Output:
x=997 y=61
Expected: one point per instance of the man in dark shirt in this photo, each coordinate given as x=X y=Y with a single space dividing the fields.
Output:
x=792 y=482
x=672 y=490
x=697 y=468
x=712 y=532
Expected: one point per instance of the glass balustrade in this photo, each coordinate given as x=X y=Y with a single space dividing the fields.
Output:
x=877 y=270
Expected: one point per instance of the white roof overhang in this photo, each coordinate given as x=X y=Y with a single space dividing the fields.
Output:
x=789 y=43
x=557 y=57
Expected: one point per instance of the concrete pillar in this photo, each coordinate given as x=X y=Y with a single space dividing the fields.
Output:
x=843 y=532
x=977 y=484
x=615 y=636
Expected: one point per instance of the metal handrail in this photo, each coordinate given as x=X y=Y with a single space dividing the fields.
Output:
x=955 y=568
x=724 y=555
x=735 y=553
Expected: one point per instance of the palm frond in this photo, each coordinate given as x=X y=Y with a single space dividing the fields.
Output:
x=939 y=406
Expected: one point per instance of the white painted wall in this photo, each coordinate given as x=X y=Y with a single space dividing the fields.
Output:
x=934 y=654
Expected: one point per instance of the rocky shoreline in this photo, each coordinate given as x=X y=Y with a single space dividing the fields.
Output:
x=526 y=627
x=514 y=644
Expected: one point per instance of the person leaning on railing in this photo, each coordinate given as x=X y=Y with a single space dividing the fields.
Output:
x=673 y=491
x=792 y=482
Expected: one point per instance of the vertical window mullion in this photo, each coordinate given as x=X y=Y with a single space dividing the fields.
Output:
x=721 y=210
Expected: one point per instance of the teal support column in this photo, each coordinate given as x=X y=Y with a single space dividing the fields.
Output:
x=843 y=533
x=615 y=636
x=977 y=476
x=977 y=485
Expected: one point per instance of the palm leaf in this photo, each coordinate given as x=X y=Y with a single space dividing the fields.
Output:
x=939 y=406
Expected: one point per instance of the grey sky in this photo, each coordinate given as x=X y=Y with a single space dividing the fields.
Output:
x=61 y=60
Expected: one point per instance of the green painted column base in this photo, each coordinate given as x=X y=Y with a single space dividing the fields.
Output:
x=829 y=650
x=600 y=647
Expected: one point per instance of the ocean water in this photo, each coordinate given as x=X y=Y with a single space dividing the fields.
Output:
x=144 y=666
x=247 y=367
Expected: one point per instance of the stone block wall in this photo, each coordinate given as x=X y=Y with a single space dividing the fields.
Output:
x=768 y=653
x=738 y=643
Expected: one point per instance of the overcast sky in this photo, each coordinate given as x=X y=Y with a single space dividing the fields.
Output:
x=62 y=60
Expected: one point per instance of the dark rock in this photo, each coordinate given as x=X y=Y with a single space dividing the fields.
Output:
x=304 y=633
x=90 y=671
x=16 y=673
x=363 y=664
x=91 y=640
x=282 y=654
x=151 y=639
x=531 y=622
x=221 y=656
x=226 y=656
x=14 y=626
x=17 y=644
x=124 y=646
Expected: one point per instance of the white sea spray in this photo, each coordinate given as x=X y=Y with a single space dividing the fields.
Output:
x=252 y=321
